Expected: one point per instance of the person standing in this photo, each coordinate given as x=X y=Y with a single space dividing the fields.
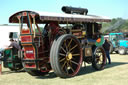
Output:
x=0 y=63
x=106 y=47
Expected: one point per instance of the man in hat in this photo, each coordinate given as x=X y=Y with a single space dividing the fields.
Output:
x=13 y=44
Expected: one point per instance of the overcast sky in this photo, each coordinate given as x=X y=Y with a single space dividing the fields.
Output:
x=110 y=8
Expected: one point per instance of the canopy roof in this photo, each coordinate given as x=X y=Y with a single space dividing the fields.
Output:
x=43 y=17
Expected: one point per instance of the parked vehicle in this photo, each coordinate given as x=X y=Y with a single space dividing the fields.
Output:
x=118 y=43
x=65 y=42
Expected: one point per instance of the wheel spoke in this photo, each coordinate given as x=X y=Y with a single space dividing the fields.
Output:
x=67 y=64
x=100 y=54
x=63 y=49
x=69 y=43
x=62 y=59
x=65 y=45
x=64 y=64
x=75 y=54
x=62 y=54
x=73 y=48
x=99 y=62
x=71 y=68
x=74 y=62
x=66 y=68
x=100 y=58
x=96 y=53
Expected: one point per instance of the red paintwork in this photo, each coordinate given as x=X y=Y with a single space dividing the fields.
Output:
x=29 y=55
x=25 y=31
x=27 y=38
x=55 y=27
x=36 y=48
x=24 y=13
x=29 y=49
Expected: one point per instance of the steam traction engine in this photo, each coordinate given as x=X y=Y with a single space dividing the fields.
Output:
x=64 y=43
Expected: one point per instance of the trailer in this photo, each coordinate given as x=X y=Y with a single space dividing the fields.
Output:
x=65 y=41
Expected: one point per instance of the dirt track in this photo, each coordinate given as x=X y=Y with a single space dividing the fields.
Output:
x=114 y=74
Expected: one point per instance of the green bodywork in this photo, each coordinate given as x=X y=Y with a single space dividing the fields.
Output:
x=11 y=59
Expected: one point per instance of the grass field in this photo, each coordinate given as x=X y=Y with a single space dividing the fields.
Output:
x=113 y=74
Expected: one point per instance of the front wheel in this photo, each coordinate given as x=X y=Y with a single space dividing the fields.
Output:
x=66 y=56
x=99 y=58
x=121 y=50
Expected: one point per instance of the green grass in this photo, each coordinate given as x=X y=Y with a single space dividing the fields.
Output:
x=114 y=74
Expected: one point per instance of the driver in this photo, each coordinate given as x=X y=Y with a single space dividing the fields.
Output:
x=13 y=44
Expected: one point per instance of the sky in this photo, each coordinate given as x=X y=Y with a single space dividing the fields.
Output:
x=109 y=8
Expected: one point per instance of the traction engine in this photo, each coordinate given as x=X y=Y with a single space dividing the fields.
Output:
x=63 y=44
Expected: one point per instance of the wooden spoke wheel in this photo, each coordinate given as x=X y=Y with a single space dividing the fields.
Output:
x=66 y=56
x=99 y=58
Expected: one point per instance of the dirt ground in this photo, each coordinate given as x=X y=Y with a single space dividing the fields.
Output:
x=113 y=74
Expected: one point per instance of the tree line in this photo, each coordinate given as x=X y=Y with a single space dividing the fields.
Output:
x=116 y=25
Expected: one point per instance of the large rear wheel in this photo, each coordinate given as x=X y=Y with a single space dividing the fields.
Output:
x=66 y=56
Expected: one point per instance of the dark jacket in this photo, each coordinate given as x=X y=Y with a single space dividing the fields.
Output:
x=106 y=45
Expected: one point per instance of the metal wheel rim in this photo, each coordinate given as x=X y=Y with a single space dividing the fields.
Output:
x=69 y=56
x=121 y=51
x=99 y=57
